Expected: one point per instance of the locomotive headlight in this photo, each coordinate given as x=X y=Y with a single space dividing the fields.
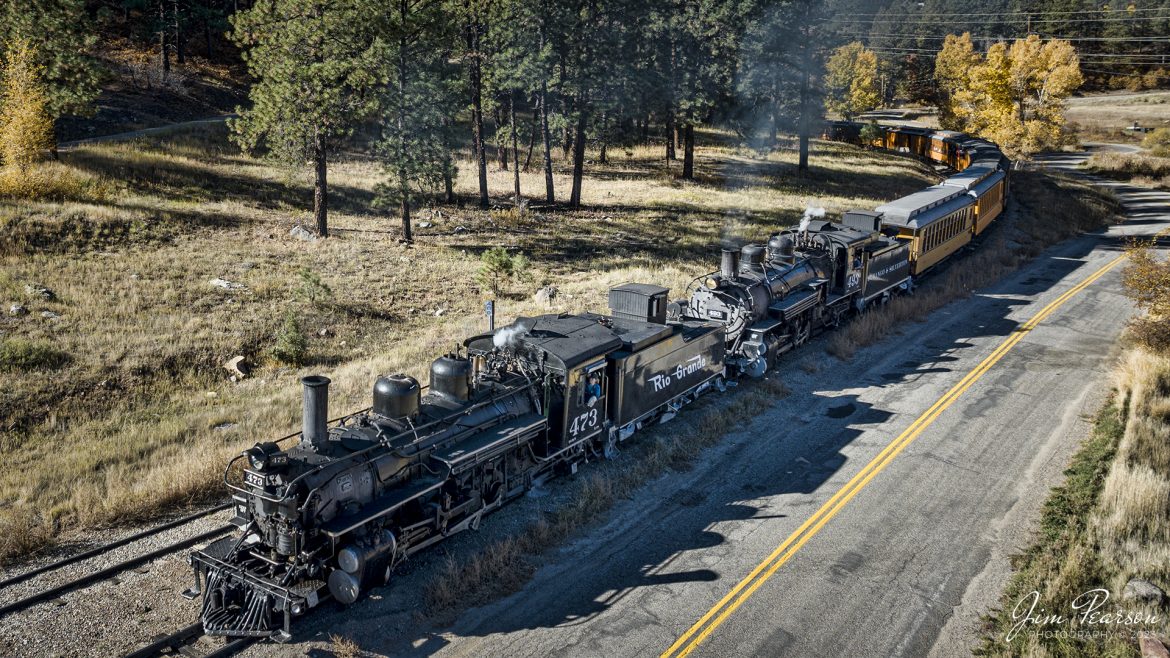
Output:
x=257 y=457
x=711 y=282
x=265 y=455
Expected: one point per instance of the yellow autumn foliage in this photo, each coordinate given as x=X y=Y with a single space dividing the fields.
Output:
x=851 y=81
x=1014 y=95
x=26 y=128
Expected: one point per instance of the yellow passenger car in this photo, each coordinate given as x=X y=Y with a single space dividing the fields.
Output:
x=938 y=221
x=987 y=185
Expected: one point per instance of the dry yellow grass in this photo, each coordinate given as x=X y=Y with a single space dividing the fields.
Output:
x=1132 y=525
x=141 y=417
x=1138 y=168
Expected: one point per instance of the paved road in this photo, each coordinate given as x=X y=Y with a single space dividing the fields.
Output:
x=909 y=562
x=134 y=134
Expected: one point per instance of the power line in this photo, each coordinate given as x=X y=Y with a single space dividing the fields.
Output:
x=931 y=19
x=1130 y=75
x=1010 y=13
x=1160 y=39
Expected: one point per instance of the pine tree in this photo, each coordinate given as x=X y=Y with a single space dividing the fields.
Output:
x=415 y=147
x=26 y=127
x=64 y=43
x=317 y=70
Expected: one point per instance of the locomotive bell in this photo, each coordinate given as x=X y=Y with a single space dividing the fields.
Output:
x=396 y=396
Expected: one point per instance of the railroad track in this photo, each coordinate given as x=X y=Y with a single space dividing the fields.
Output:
x=109 y=572
x=114 y=569
x=180 y=643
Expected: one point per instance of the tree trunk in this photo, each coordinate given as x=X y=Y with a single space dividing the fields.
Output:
x=501 y=147
x=515 y=148
x=688 y=150
x=448 y=166
x=802 y=165
x=477 y=109
x=603 y=156
x=670 y=154
x=207 y=26
x=549 y=193
x=773 y=128
x=578 y=158
x=321 y=189
x=403 y=174
x=164 y=37
x=531 y=138
x=180 y=52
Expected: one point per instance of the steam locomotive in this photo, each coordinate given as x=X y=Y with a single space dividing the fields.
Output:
x=332 y=516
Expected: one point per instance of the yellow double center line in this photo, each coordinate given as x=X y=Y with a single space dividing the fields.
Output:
x=746 y=587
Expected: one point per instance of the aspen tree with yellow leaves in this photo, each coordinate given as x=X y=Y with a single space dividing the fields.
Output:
x=26 y=128
x=851 y=81
x=1014 y=95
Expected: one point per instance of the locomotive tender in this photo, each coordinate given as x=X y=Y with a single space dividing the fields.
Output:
x=333 y=515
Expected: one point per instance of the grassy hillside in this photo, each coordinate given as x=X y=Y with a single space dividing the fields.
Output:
x=116 y=403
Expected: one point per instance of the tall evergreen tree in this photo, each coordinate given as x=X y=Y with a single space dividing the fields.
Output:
x=316 y=70
x=418 y=98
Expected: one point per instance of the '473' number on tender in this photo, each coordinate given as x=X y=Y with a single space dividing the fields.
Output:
x=584 y=422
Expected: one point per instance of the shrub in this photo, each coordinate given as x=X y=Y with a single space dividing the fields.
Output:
x=26 y=129
x=496 y=266
x=312 y=289
x=21 y=354
x=871 y=133
x=52 y=181
x=292 y=347
x=1158 y=141
x=1147 y=283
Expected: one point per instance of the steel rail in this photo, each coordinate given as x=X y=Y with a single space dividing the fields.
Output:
x=106 y=573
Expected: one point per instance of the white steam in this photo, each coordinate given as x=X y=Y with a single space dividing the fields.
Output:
x=508 y=335
x=810 y=213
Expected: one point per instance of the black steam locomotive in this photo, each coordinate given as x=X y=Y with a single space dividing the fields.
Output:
x=770 y=299
x=332 y=516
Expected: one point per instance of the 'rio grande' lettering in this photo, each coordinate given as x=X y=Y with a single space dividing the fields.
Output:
x=682 y=370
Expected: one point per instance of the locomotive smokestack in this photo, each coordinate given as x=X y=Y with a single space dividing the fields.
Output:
x=316 y=410
x=729 y=264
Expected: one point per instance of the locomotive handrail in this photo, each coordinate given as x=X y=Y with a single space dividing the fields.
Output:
x=289 y=486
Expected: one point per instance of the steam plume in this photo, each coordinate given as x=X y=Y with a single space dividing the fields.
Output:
x=508 y=335
x=810 y=213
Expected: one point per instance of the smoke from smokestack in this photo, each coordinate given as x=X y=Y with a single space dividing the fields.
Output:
x=810 y=213
x=508 y=335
